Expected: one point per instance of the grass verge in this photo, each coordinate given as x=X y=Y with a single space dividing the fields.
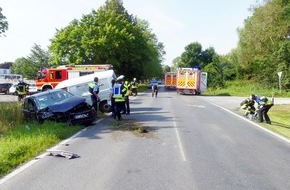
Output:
x=279 y=115
x=245 y=89
x=21 y=141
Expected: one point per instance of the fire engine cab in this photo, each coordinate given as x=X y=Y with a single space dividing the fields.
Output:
x=48 y=78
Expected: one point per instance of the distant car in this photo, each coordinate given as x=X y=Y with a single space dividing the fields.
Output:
x=32 y=89
x=153 y=82
x=58 y=105
x=4 y=87
x=159 y=81
x=12 y=89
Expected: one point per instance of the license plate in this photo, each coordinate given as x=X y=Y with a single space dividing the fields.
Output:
x=81 y=116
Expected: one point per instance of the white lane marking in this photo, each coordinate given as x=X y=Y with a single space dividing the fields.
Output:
x=179 y=142
x=253 y=123
x=30 y=163
x=197 y=106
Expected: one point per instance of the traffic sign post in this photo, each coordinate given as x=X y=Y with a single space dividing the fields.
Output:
x=280 y=76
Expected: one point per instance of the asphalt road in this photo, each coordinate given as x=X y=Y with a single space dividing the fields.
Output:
x=194 y=142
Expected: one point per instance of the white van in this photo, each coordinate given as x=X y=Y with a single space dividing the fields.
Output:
x=80 y=87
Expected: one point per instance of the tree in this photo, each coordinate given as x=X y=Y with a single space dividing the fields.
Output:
x=29 y=66
x=3 y=23
x=166 y=69
x=110 y=35
x=176 y=63
x=6 y=65
x=263 y=39
x=194 y=56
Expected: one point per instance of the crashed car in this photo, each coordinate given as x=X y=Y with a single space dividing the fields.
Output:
x=58 y=105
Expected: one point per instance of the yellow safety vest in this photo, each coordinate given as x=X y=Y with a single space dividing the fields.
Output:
x=127 y=86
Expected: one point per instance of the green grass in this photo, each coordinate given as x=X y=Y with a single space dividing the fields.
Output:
x=21 y=141
x=142 y=88
x=10 y=116
x=279 y=115
x=245 y=88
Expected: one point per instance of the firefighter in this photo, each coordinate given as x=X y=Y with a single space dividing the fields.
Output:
x=128 y=89
x=119 y=96
x=264 y=105
x=22 y=89
x=134 y=87
x=248 y=105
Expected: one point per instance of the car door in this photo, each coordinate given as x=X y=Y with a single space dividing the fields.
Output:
x=29 y=109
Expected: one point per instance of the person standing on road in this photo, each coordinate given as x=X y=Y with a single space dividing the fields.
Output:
x=113 y=105
x=134 y=87
x=119 y=96
x=127 y=87
x=154 y=90
x=94 y=89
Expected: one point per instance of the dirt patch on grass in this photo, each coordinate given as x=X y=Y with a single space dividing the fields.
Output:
x=125 y=126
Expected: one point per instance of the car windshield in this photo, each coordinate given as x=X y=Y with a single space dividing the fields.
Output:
x=48 y=99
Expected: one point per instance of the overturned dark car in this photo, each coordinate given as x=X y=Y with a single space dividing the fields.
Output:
x=58 y=105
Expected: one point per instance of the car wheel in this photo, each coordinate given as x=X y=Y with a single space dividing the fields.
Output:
x=104 y=107
x=46 y=88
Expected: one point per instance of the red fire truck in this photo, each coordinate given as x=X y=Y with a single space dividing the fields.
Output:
x=48 y=78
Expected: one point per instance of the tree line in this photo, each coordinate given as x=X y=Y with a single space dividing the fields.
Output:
x=263 y=50
x=111 y=35
x=108 y=35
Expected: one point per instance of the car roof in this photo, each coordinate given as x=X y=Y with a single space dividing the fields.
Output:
x=45 y=93
x=85 y=78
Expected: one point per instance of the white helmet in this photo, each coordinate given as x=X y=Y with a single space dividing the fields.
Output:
x=121 y=77
x=263 y=98
x=134 y=79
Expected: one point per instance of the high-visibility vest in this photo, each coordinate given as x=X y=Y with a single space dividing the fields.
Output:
x=122 y=99
x=22 y=88
x=127 y=86
x=117 y=91
x=134 y=84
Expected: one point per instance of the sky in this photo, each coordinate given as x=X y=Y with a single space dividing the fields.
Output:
x=176 y=23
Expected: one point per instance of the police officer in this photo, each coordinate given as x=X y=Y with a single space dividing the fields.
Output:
x=119 y=96
x=22 y=89
x=127 y=87
x=264 y=105
x=94 y=89
x=113 y=105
